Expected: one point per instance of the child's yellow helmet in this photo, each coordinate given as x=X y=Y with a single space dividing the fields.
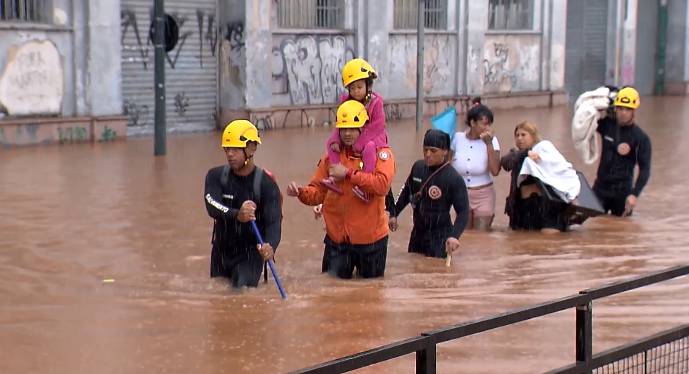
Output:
x=351 y=115
x=356 y=69
x=627 y=97
x=238 y=132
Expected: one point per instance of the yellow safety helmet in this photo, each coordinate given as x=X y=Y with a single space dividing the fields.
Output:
x=238 y=132
x=351 y=115
x=627 y=97
x=356 y=69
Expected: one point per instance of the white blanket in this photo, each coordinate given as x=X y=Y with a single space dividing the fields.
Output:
x=553 y=170
x=588 y=110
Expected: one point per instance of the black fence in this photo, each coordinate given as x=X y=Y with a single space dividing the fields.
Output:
x=666 y=352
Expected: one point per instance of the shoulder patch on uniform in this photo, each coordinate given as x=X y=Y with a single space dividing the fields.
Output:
x=434 y=192
x=383 y=155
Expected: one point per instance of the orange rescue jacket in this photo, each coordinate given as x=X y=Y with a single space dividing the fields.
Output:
x=347 y=218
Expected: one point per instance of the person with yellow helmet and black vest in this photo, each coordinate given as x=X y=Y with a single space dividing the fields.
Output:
x=356 y=231
x=236 y=194
x=625 y=146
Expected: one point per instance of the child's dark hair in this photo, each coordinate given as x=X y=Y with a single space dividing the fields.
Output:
x=476 y=100
x=477 y=112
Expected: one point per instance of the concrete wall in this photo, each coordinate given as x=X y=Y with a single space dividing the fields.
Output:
x=303 y=70
x=91 y=74
x=59 y=35
x=511 y=63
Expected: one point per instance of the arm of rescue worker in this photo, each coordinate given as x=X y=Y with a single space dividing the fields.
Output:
x=403 y=198
x=644 y=161
x=314 y=193
x=378 y=181
x=271 y=212
x=460 y=203
x=390 y=203
x=212 y=195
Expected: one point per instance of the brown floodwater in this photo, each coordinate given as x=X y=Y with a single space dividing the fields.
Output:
x=73 y=216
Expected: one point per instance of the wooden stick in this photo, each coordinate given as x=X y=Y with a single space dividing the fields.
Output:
x=448 y=259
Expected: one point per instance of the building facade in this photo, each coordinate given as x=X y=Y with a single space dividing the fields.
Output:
x=60 y=75
x=79 y=70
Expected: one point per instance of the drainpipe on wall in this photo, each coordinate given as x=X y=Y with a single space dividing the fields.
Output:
x=419 y=64
x=660 y=52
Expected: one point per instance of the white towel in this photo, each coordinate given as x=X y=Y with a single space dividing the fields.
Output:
x=587 y=111
x=553 y=170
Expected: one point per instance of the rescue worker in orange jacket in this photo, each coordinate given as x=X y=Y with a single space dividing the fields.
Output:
x=356 y=231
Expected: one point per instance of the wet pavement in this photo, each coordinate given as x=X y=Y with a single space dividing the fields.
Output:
x=76 y=215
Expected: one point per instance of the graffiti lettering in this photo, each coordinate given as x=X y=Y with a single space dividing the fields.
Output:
x=235 y=35
x=128 y=18
x=71 y=134
x=264 y=122
x=181 y=103
x=137 y=114
x=181 y=20
x=310 y=68
x=211 y=35
x=496 y=68
x=107 y=134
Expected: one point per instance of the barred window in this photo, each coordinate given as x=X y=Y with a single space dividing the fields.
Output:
x=311 y=14
x=26 y=10
x=434 y=17
x=511 y=15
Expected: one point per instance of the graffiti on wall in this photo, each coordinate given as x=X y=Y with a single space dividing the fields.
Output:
x=496 y=69
x=144 y=45
x=136 y=113
x=511 y=64
x=181 y=103
x=438 y=62
x=309 y=68
x=232 y=53
x=208 y=35
x=262 y=121
x=32 y=80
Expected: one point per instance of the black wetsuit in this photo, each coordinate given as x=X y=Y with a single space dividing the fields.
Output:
x=616 y=171
x=234 y=254
x=432 y=221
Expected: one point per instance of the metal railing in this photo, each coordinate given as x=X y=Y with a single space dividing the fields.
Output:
x=424 y=346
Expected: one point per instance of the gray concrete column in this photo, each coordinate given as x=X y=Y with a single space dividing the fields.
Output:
x=377 y=18
x=558 y=37
x=477 y=25
x=104 y=70
x=259 y=37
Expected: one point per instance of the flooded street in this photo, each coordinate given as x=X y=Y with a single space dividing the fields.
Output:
x=76 y=215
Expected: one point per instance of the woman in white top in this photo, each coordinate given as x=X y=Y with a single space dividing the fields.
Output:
x=476 y=157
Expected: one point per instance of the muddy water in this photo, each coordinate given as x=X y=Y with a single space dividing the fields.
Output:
x=76 y=215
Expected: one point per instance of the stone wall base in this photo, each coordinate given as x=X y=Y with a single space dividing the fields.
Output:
x=61 y=130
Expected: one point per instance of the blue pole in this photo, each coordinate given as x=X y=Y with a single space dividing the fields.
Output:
x=271 y=266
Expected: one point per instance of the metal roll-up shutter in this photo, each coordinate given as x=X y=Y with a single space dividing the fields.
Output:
x=585 y=57
x=190 y=68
